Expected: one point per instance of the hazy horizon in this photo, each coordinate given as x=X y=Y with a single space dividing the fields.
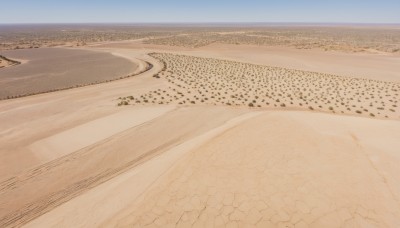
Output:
x=179 y=11
x=199 y=23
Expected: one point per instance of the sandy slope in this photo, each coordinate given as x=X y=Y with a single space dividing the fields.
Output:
x=384 y=67
x=203 y=165
x=94 y=131
x=281 y=169
x=265 y=169
x=372 y=66
x=38 y=190
x=124 y=189
x=26 y=120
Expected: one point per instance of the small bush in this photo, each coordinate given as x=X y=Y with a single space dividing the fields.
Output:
x=123 y=103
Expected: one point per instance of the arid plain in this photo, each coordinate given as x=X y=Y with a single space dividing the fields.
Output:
x=212 y=128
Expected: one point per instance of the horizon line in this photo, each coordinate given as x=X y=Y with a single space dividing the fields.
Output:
x=211 y=22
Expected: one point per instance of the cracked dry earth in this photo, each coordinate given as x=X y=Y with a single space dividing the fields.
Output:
x=284 y=175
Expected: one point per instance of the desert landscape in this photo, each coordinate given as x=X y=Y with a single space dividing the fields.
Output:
x=219 y=82
x=52 y=69
x=353 y=38
x=199 y=125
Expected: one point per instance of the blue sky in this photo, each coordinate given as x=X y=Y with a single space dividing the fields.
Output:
x=114 y=11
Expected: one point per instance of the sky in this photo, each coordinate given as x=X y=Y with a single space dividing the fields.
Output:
x=200 y=11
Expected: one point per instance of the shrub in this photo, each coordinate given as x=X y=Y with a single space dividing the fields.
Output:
x=123 y=103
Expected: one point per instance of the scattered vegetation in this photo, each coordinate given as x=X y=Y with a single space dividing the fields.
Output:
x=328 y=38
x=350 y=39
x=6 y=62
x=195 y=80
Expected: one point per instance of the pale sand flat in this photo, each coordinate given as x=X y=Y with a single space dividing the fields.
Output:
x=38 y=190
x=308 y=168
x=27 y=120
x=118 y=193
x=280 y=169
x=94 y=131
